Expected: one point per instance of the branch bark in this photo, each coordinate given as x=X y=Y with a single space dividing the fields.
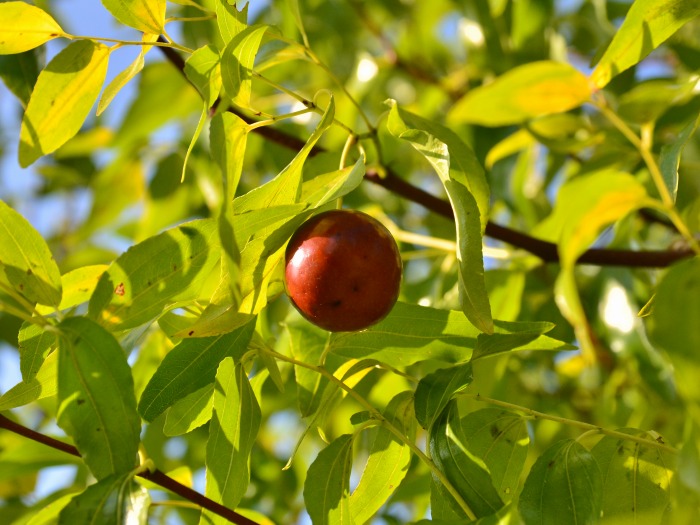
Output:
x=157 y=476
x=391 y=181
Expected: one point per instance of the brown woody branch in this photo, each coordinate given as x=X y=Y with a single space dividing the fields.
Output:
x=391 y=181
x=157 y=476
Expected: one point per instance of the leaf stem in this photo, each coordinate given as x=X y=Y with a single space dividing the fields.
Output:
x=277 y=118
x=171 y=45
x=386 y=423
x=571 y=422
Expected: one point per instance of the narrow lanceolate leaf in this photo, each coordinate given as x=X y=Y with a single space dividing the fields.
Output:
x=466 y=472
x=123 y=78
x=636 y=479
x=42 y=385
x=327 y=484
x=501 y=440
x=155 y=273
x=671 y=156
x=34 y=344
x=330 y=186
x=113 y=500
x=230 y=20
x=190 y=412
x=525 y=92
x=237 y=64
x=307 y=343
x=63 y=95
x=96 y=403
x=19 y=73
x=564 y=487
x=24 y=26
x=647 y=25
x=145 y=15
x=189 y=366
x=412 y=333
x=232 y=432
x=26 y=263
x=386 y=466
x=203 y=69
x=435 y=390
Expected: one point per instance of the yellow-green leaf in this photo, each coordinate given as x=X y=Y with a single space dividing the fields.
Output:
x=237 y=63
x=24 y=27
x=647 y=25
x=145 y=15
x=64 y=93
x=525 y=92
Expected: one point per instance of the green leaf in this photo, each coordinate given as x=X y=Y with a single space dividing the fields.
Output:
x=466 y=472
x=500 y=439
x=113 y=500
x=78 y=286
x=564 y=486
x=19 y=73
x=386 y=466
x=435 y=391
x=126 y=75
x=34 y=344
x=307 y=344
x=48 y=515
x=62 y=98
x=524 y=92
x=671 y=327
x=636 y=479
x=237 y=63
x=670 y=156
x=24 y=27
x=647 y=25
x=203 y=69
x=26 y=263
x=230 y=20
x=449 y=155
x=328 y=187
x=41 y=386
x=232 y=432
x=412 y=333
x=249 y=223
x=296 y=13
x=145 y=15
x=96 y=402
x=189 y=366
x=517 y=336
x=326 y=488
x=192 y=411
x=472 y=285
x=154 y=274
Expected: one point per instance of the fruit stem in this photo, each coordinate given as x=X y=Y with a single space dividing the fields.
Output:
x=385 y=422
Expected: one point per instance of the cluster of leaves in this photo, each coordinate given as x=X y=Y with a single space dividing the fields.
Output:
x=186 y=342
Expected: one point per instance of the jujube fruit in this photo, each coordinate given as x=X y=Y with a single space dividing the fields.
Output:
x=343 y=270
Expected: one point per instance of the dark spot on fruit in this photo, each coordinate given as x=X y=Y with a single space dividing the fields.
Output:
x=336 y=303
x=119 y=290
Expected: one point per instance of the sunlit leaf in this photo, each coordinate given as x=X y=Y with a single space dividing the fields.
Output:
x=326 y=489
x=155 y=273
x=564 y=486
x=26 y=264
x=647 y=25
x=307 y=344
x=189 y=366
x=636 y=479
x=34 y=344
x=42 y=385
x=190 y=412
x=230 y=20
x=524 y=92
x=126 y=75
x=24 y=26
x=670 y=157
x=114 y=499
x=232 y=432
x=145 y=15
x=96 y=402
x=386 y=466
x=237 y=64
x=62 y=98
x=203 y=69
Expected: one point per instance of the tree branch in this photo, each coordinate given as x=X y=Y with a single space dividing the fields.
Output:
x=391 y=181
x=157 y=476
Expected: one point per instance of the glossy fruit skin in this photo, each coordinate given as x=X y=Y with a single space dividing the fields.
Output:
x=343 y=270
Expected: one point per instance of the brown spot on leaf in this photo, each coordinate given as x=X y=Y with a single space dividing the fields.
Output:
x=29 y=271
x=191 y=332
x=119 y=290
x=80 y=401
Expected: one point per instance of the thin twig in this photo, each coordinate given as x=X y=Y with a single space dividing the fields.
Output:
x=158 y=477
